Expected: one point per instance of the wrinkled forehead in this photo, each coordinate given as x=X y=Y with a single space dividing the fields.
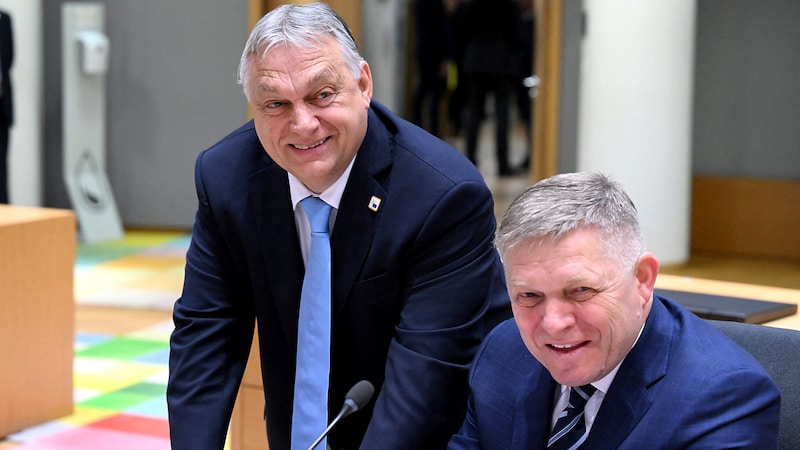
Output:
x=300 y=65
x=297 y=48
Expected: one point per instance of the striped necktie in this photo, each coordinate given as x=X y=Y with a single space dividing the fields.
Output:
x=570 y=430
x=310 y=411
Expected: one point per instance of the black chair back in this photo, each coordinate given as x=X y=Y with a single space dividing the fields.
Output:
x=778 y=350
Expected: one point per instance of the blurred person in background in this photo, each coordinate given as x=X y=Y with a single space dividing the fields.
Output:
x=489 y=65
x=434 y=47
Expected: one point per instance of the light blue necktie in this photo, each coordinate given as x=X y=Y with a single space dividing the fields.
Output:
x=310 y=412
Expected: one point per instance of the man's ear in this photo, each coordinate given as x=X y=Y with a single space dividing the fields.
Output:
x=646 y=272
x=365 y=83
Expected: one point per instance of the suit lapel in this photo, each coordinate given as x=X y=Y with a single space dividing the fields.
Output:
x=629 y=398
x=352 y=234
x=354 y=230
x=530 y=431
x=283 y=263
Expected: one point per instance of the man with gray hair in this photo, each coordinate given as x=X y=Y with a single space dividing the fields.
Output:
x=593 y=358
x=360 y=244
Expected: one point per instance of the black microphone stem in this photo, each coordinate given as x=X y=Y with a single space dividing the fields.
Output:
x=358 y=396
x=345 y=411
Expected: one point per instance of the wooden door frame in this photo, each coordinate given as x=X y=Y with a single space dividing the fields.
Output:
x=349 y=10
x=547 y=66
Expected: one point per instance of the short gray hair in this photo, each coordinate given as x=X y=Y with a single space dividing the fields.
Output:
x=304 y=26
x=560 y=204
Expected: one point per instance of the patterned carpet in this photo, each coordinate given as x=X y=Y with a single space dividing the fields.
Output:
x=142 y=270
x=120 y=386
x=120 y=380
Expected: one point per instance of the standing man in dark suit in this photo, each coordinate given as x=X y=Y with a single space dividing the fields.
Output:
x=415 y=281
x=434 y=47
x=6 y=98
x=489 y=66
x=586 y=321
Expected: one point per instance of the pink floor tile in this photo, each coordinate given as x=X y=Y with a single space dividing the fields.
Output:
x=131 y=423
x=91 y=438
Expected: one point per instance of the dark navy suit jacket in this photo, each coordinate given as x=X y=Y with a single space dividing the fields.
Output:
x=684 y=385
x=6 y=60
x=416 y=285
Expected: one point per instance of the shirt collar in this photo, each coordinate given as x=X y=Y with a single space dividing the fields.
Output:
x=604 y=383
x=331 y=196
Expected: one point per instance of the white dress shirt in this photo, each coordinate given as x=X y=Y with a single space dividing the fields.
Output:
x=331 y=196
x=594 y=402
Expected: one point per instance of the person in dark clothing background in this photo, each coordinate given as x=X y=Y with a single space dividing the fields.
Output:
x=6 y=99
x=434 y=49
x=490 y=64
x=456 y=103
x=526 y=24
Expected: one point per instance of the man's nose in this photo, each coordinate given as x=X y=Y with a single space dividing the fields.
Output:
x=304 y=117
x=558 y=315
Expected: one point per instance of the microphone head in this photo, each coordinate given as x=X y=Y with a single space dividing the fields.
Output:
x=360 y=394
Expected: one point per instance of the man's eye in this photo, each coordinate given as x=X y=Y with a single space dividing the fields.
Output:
x=583 y=293
x=324 y=98
x=527 y=299
x=271 y=106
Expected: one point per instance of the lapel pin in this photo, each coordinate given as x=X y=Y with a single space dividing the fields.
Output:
x=374 y=203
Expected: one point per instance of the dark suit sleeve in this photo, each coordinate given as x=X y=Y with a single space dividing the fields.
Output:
x=686 y=385
x=509 y=393
x=453 y=277
x=737 y=410
x=211 y=341
x=468 y=436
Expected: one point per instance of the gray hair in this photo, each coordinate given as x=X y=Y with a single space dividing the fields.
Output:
x=560 y=204
x=304 y=26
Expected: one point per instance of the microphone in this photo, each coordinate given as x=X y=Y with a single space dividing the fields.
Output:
x=357 y=397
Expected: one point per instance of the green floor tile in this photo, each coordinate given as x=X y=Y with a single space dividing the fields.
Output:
x=146 y=388
x=116 y=400
x=123 y=348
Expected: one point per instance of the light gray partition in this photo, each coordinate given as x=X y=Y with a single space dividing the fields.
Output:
x=747 y=95
x=85 y=51
x=171 y=92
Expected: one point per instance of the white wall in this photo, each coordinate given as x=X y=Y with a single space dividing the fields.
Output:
x=635 y=110
x=24 y=164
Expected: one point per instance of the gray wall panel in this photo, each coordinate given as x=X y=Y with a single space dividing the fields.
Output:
x=172 y=93
x=747 y=95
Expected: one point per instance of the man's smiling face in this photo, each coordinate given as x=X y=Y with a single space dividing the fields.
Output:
x=578 y=311
x=310 y=114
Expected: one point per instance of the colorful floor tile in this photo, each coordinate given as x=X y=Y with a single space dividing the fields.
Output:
x=119 y=380
x=120 y=396
x=141 y=270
